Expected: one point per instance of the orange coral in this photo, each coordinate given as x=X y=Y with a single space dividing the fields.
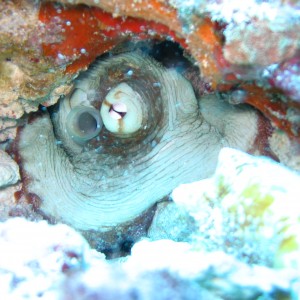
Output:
x=87 y=32
x=276 y=111
x=205 y=45
x=97 y=31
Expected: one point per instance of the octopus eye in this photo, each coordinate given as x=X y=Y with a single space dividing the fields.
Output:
x=83 y=123
x=122 y=111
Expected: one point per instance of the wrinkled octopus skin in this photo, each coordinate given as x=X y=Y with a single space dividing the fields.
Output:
x=127 y=135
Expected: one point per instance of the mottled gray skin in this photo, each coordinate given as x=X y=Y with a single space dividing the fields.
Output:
x=112 y=180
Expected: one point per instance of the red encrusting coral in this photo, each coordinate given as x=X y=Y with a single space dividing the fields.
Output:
x=87 y=32
x=205 y=44
x=274 y=110
x=22 y=195
x=268 y=102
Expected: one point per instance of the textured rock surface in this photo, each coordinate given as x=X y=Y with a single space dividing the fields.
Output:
x=182 y=224
x=7 y=200
x=250 y=208
x=54 y=262
x=35 y=257
x=27 y=78
x=258 y=32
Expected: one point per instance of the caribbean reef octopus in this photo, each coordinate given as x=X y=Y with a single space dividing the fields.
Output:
x=130 y=131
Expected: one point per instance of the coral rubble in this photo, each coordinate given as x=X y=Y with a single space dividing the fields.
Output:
x=54 y=262
x=249 y=208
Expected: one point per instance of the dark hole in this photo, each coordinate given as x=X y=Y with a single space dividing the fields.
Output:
x=87 y=123
x=170 y=55
x=123 y=248
x=126 y=246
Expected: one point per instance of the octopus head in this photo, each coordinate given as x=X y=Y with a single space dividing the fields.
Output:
x=129 y=133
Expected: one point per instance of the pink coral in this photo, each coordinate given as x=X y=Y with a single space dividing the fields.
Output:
x=287 y=78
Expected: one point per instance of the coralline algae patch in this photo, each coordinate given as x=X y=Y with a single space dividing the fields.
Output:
x=250 y=208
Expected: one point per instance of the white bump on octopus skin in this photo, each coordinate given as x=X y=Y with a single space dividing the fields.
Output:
x=129 y=73
x=79 y=97
x=122 y=110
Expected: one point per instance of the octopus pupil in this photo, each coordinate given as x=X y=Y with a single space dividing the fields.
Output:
x=120 y=113
x=87 y=123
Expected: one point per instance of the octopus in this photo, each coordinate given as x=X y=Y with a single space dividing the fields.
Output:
x=129 y=132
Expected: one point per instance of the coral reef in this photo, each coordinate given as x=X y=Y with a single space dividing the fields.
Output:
x=226 y=39
x=239 y=225
x=27 y=78
x=58 y=264
x=245 y=211
x=35 y=258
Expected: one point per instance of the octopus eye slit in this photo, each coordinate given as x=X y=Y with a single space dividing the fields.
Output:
x=118 y=110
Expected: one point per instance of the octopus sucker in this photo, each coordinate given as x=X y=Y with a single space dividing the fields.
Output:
x=99 y=178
